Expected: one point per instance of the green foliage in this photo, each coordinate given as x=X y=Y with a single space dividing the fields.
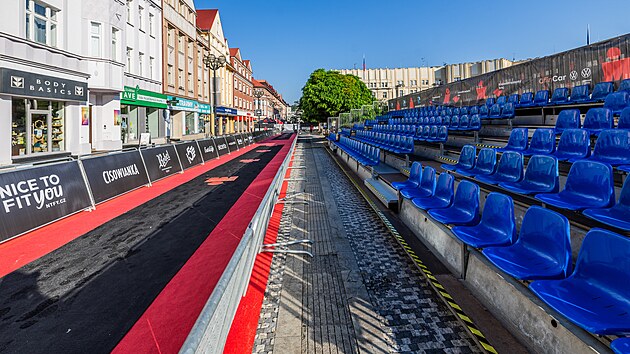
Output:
x=329 y=93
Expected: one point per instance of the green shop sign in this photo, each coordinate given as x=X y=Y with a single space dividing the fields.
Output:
x=204 y=108
x=182 y=104
x=138 y=97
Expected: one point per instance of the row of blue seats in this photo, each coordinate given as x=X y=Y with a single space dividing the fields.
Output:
x=591 y=295
x=612 y=145
x=398 y=144
x=589 y=186
x=596 y=120
x=427 y=133
x=364 y=153
x=346 y=131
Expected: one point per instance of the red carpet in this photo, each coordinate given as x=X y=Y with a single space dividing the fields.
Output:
x=243 y=331
x=163 y=328
x=24 y=249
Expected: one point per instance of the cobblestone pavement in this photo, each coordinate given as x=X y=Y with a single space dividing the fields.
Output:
x=360 y=293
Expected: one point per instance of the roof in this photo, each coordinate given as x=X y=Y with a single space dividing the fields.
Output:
x=233 y=52
x=205 y=18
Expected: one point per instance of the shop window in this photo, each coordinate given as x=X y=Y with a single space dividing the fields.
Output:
x=37 y=126
x=153 y=122
x=189 y=123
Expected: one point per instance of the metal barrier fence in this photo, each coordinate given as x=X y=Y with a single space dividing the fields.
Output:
x=209 y=333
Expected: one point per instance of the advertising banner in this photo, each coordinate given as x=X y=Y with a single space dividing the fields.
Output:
x=231 y=141
x=189 y=154
x=222 y=146
x=603 y=61
x=161 y=161
x=115 y=174
x=33 y=197
x=208 y=149
x=239 y=140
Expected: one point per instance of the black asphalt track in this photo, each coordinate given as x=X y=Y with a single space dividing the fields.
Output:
x=85 y=296
x=283 y=136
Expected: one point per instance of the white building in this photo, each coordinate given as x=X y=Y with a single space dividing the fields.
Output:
x=43 y=85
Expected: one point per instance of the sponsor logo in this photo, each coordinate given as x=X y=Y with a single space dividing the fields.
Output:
x=232 y=143
x=17 y=82
x=221 y=147
x=78 y=91
x=239 y=141
x=573 y=75
x=191 y=153
x=208 y=149
x=113 y=175
x=163 y=161
x=43 y=192
x=586 y=73
x=555 y=78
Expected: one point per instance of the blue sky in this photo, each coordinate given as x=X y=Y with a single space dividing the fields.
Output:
x=288 y=39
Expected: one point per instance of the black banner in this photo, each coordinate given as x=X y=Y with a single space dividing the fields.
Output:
x=239 y=140
x=222 y=146
x=161 y=161
x=36 y=196
x=231 y=141
x=115 y=174
x=189 y=154
x=249 y=139
x=25 y=83
x=603 y=61
x=208 y=149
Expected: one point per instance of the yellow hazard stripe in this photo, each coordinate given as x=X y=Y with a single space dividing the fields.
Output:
x=439 y=289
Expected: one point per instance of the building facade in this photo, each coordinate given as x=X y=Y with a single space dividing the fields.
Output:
x=243 y=90
x=271 y=105
x=44 y=78
x=386 y=84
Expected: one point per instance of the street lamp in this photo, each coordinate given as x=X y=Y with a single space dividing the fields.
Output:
x=214 y=63
x=258 y=93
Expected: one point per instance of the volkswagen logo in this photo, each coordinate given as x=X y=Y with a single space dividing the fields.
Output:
x=586 y=72
x=573 y=75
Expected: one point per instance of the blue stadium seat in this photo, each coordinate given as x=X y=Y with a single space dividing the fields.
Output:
x=541 y=98
x=464 y=122
x=495 y=111
x=501 y=100
x=598 y=119
x=526 y=100
x=465 y=208
x=621 y=345
x=513 y=98
x=618 y=215
x=624 y=119
x=613 y=147
x=517 y=140
x=624 y=85
x=463 y=110
x=541 y=176
x=580 y=94
x=601 y=90
x=485 y=164
x=560 y=96
x=426 y=188
x=442 y=134
x=466 y=159
x=595 y=296
x=415 y=174
x=589 y=184
x=454 y=123
x=433 y=133
x=542 y=250
x=509 y=169
x=567 y=119
x=446 y=121
x=497 y=226
x=456 y=111
x=543 y=142
x=473 y=110
x=425 y=132
x=617 y=101
x=483 y=111
x=443 y=196
x=508 y=111
x=475 y=123
x=574 y=144
x=490 y=102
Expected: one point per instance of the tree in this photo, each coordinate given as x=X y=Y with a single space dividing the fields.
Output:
x=328 y=93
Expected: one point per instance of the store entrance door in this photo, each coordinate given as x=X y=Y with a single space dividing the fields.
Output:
x=124 y=128
x=39 y=121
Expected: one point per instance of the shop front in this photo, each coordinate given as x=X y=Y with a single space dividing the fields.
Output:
x=245 y=120
x=189 y=118
x=46 y=115
x=205 y=117
x=225 y=120
x=141 y=111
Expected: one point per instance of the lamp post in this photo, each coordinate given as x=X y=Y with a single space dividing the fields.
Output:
x=214 y=63
x=169 y=120
x=273 y=105
x=258 y=93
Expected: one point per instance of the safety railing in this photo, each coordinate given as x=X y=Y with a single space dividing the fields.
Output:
x=210 y=332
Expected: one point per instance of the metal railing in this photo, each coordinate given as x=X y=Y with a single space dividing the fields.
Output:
x=211 y=329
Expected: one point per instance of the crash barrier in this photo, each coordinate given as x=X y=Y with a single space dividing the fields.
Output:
x=211 y=329
x=32 y=196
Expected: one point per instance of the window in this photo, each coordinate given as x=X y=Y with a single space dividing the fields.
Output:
x=171 y=36
x=181 y=44
x=151 y=20
x=95 y=39
x=169 y=73
x=180 y=78
x=115 y=49
x=129 y=52
x=151 y=66
x=141 y=18
x=129 y=11
x=41 y=23
x=140 y=64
